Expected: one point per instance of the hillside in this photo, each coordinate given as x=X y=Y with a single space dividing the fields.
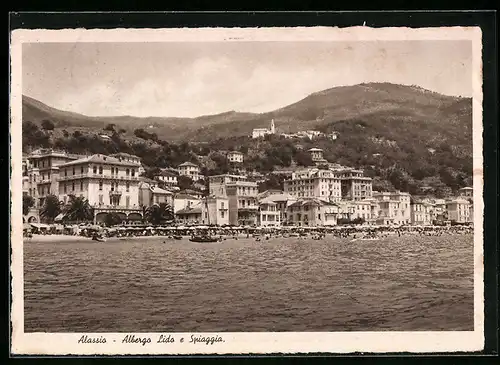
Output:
x=403 y=136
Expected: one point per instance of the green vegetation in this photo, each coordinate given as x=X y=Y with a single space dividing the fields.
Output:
x=51 y=208
x=157 y=214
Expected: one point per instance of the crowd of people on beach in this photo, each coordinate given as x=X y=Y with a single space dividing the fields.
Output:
x=97 y=232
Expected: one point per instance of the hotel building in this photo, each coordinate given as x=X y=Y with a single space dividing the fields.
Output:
x=42 y=169
x=314 y=183
x=110 y=184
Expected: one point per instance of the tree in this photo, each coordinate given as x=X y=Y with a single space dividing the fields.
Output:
x=303 y=158
x=28 y=203
x=157 y=214
x=110 y=127
x=47 y=125
x=112 y=219
x=51 y=208
x=184 y=182
x=78 y=209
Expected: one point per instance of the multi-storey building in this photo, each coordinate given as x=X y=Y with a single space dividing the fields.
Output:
x=190 y=170
x=466 y=192
x=394 y=208
x=269 y=214
x=314 y=183
x=150 y=194
x=183 y=201
x=110 y=184
x=215 y=211
x=167 y=177
x=458 y=210
x=312 y=212
x=317 y=155
x=282 y=200
x=421 y=212
x=235 y=156
x=42 y=169
x=354 y=185
x=241 y=195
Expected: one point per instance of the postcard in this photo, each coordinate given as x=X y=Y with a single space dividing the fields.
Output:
x=246 y=191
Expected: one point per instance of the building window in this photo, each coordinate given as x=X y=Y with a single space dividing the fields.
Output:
x=81 y=170
x=81 y=185
x=94 y=169
x=222 y=214
x=127 y=201
x=133 y=172
x=73 y=170
x=100 y=185
x=73 y=186
x=128 y=187
x=101 y=199
x=100 y=170
x=65 y=172
x=65 y=188
x=127 y=171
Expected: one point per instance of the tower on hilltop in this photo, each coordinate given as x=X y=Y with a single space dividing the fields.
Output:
x=273 y=131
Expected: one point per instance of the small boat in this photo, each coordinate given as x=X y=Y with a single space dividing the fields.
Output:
x=203 y=239
x=177 y=237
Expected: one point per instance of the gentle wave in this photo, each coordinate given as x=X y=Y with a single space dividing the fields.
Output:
x=396 y=283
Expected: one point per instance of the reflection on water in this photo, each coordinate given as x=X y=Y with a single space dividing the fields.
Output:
x=406 y=283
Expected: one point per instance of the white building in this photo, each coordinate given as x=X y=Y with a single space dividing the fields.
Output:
x=235 y=156
x=110 y=184
x=190 y=170
x=466 y=192
x=314 y=183
x=184 y=201
x=393 y=207
x=150 y=194
x=262 y=132
x=317 y=155
x=269 y=214
x=458 y=210
x=167 y=177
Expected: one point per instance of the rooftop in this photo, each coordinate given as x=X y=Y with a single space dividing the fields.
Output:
x=187 y=163
x=98 y=158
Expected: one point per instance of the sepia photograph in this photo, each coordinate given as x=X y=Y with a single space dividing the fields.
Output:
x=191 y=187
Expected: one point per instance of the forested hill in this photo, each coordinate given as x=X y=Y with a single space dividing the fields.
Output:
x=404 y=136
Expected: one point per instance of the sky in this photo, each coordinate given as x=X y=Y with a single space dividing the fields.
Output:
x=180 y=79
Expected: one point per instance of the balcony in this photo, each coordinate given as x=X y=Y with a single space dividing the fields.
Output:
x=98 y=176
x=115 y=193
x=248 y=208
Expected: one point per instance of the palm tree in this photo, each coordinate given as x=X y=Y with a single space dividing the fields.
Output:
x=51 y=208
x=78 y=209
x=158 y=213
x=28 y=203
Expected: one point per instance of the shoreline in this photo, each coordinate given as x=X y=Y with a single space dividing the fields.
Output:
x=60 y=238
